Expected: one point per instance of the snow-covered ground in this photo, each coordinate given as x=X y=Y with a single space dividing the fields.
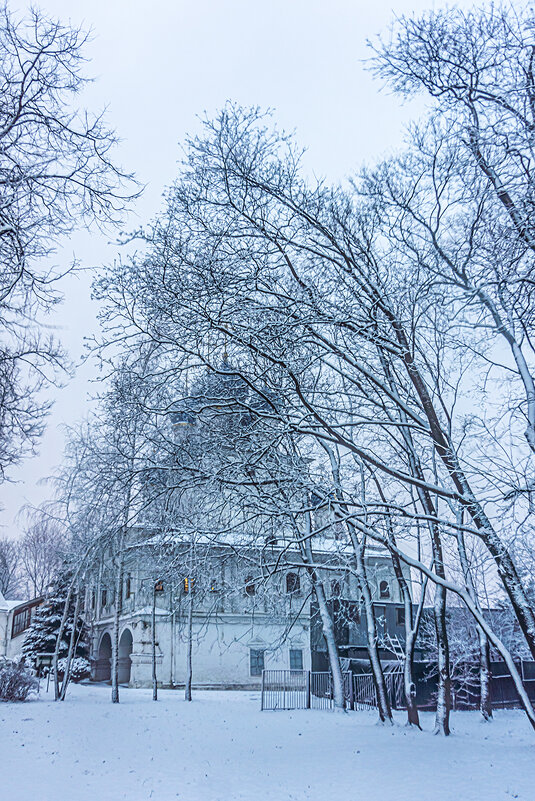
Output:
x=221 y=747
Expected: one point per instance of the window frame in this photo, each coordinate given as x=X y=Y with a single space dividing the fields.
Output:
x=293 y=652
x=258 y=657
x=24 y=615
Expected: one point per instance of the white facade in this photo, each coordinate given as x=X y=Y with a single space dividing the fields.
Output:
x=240 y=624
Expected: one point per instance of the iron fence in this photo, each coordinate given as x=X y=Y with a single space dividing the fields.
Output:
x=364 y=694
x=301 y=689
x=285 y=689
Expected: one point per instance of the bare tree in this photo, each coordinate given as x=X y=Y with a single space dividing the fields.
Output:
x=56 y=173
x=42 y=550
x=10 y=582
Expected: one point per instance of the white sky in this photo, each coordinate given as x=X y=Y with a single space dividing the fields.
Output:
x=157 y=66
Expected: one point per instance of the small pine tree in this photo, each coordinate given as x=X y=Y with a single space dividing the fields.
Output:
x=43 y=631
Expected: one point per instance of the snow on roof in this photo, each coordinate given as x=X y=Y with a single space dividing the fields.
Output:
x=321 y=545
x=9 y=605
x=13 y=604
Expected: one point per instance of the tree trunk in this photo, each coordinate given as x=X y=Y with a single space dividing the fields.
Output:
x=411 y=633
x=67 y=673
x=326 y=622
x=484 y=675
x=442 y=717
x=484 y=648
x=383 y=702
x=153 y=645
x=116 y=625
x=189 y=646
x=58 y=642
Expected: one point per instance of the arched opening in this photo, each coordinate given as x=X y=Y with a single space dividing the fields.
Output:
x=293 y=583
x=384 y=589
x=125 y=660
x=103 y=663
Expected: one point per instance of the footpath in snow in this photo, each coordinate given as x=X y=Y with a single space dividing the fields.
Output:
x=221 y=747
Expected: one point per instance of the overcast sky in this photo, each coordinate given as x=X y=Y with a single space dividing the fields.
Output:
x=159 y=65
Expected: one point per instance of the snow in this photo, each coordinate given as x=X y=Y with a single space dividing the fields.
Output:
x=13 y=604
x=221 y=747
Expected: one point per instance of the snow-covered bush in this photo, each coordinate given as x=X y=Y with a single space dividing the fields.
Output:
x=16 y=682
x=80 y=668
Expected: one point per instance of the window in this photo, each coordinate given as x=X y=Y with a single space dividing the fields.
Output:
x=336 y=588
x=213 y=585
x=293 y=583
x=93 y=600
x=158 y=587
x=104 y=597
x=250 y=588
x=384 y=589
x=256 y=661
x=188 y=584
x=21 y=621
x=128 y=586
x=400 y=616
x=296 y=659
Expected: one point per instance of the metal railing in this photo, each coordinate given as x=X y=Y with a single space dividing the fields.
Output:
x=365 y=694
x=301 y=689
x=285 y=689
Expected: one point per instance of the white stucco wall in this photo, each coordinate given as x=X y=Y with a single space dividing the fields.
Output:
x=220 y=653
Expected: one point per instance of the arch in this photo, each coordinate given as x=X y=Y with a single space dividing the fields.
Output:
x=125 y=658
x=293 y=583
x=384 y=589
x=103 y=662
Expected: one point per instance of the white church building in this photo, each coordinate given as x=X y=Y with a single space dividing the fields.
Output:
x=239 y=617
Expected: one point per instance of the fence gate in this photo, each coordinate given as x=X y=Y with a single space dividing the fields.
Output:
x=301 y=689
x=365 y=695
x=285 y=689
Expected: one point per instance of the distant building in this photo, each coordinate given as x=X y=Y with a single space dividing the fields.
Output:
x=15 y=619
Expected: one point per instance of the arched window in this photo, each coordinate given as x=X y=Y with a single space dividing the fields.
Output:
x=336 y=588
x=293 y=583
x=384 y=589
x=128 y=586
x=250 y=588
